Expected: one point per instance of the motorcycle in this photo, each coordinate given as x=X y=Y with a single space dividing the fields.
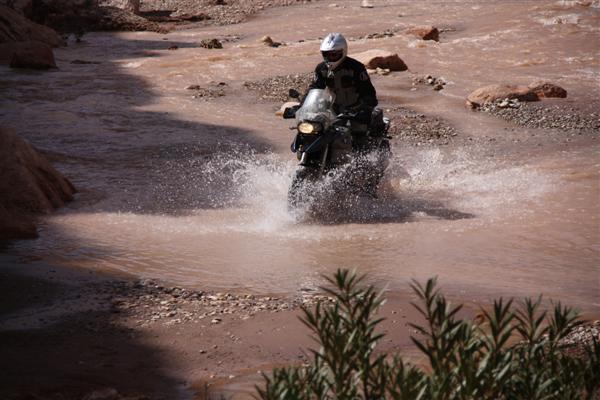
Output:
x=327 y=144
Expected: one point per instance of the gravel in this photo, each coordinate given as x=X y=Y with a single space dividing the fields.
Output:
x=542 y=116
x=419 y=129
x=276 y=88
x=219 y=12
x=581 y=338
x=213 y=90
x=149 y=302
x=436 y=83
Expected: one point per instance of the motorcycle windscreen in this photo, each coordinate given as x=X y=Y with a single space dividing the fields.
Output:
x=316 y=103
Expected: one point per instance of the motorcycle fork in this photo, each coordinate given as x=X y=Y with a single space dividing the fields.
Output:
x=324 y=160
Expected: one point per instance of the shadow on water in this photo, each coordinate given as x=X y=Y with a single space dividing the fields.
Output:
x=390 y=209
x=113 y=150
x=87 y=117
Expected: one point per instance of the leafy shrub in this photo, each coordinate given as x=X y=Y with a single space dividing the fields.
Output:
x=509 y=352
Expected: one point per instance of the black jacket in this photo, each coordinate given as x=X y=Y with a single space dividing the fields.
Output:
x=349 y=81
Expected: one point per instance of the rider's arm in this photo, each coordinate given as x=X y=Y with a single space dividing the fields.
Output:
x=319 y=78
x=366 y=90
x=317 y=83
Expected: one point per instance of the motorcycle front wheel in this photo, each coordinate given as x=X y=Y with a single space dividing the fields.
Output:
x=299 y=193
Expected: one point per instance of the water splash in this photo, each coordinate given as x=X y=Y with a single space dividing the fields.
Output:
x=470 y=183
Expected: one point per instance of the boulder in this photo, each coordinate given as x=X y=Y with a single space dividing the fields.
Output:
x=32 y=55
x=14 y=27
x=547 y=89
x=373 y=59
x=491 y=93
x=29 y=186
x=425 y=32
x=20 y=6
x=16 y=225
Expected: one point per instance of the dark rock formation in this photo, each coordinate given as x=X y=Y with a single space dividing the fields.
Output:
x=29 y=186
x=14 y=27
x=31 y=55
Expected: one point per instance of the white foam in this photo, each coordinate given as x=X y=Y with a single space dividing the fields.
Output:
x=567 y=19
x=135 y=64
x=470 y=184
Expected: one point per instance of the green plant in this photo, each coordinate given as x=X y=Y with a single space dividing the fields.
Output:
x=508 y=352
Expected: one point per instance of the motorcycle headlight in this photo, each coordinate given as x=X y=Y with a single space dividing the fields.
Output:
x=308 y=128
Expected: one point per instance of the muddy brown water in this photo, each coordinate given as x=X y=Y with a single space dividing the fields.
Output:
x=193 y=191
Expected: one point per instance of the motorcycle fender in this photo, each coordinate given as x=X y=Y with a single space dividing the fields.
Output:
x=316 y=145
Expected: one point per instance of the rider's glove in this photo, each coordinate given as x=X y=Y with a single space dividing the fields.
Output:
x=363 y=114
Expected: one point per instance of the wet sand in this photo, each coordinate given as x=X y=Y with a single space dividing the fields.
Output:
x=191 y=191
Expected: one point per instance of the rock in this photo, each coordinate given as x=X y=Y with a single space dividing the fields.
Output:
x=373 y=59
x=32 y=55
x=491 y=93
x=16 y=225
x=16 y=28
x=211 y=44
x=425 y=32
x=366 y=4
x=173 y=47
x=382 y=71
x=438 y=86
x=547 y=89
x=504 y=103
x=268 y=41
x=289 y=104
x=29 y=185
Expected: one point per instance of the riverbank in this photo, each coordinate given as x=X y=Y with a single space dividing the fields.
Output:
x=83 y=334
x=69 y=334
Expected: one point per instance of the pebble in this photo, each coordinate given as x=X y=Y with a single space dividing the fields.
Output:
x=541 y=116
x=436 y=83
x=150 y=302
x=418 y=128
x=277 y=88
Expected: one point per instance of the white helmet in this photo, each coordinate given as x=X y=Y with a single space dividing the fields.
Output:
x=334 y=49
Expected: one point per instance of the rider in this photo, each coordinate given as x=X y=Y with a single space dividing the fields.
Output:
x=348 y=79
